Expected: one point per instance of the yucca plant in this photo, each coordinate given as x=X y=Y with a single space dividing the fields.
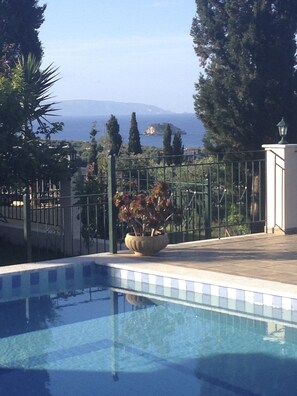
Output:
x=36 y=96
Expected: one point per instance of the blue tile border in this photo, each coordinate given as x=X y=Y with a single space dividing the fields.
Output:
x=174 y=283
x=87 y=271
x=258 y=298
x=277 y=301
x=69 y=273
x=16 y=281
x=259 y=310
x=52 y=276
x=294 y=304
x=206 y=288
x=190 y=286
x=144 y=277
x=34 y=278
x=240 y=305
x=232 y=299
x=240 y=295
x=47 y=280
x=221 y=297
x=223 y=291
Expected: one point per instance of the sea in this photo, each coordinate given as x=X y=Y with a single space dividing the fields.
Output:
x=78 y=128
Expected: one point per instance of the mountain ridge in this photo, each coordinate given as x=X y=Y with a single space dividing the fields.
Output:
x=82 y=107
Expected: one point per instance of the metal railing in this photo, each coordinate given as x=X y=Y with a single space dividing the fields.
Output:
x=218 y=197
x=68 y=226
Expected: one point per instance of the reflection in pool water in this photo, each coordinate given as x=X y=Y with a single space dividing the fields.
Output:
x=101 y=341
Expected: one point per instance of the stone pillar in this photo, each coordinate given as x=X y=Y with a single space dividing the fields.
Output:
x=281 y=188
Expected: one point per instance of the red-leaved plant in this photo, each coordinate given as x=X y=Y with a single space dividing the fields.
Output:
x=148 y=214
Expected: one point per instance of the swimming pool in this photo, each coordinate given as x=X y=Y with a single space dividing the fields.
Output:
x=65 y=332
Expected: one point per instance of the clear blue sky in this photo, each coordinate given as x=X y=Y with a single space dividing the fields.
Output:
x=122 y=50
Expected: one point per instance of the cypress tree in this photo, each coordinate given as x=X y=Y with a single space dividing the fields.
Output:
x=113 y=130
x=177 y=149
x=247 y=51
x=167 y=148
x=93 y=152
x=134 y=146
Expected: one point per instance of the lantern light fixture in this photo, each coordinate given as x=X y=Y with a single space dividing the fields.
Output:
x=282 y=129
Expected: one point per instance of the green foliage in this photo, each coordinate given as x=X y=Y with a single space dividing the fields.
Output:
x=35 y=95
x=236 y=222
x=11 y=121
x=134 y=146
x=177 y=149
x=150 y=151
x=115 y=139
x=20 y=21
x=24 y=98
x=82 y=149
x=167 y=148
x=92 y=200
x=247 y=49
x=173 y=153
x=37 y=159
x=91 y=194
x=93 y=160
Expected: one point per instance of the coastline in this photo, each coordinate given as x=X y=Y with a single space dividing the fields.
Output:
x=78 y=128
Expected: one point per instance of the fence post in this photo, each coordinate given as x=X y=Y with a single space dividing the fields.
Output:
x=281 y=188
x=111 y=207
x=207 y=208
x=27 y=225
x=66 y=221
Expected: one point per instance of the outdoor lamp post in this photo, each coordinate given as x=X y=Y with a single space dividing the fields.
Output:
x=282 y=129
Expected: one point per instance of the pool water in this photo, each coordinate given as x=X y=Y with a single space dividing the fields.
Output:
x=100 y=341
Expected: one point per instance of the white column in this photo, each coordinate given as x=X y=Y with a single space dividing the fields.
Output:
x=281 y=188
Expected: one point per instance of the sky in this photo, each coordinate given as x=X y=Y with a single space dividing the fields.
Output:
x=137 y=51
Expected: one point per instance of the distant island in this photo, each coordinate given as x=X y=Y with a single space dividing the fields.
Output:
x=159 y=129
x=84 y=108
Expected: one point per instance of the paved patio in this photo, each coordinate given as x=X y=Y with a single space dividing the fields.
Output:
x=263 y=256
x=259 y=261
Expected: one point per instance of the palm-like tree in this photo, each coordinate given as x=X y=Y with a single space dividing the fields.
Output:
x=26 y=157
x=35 y=96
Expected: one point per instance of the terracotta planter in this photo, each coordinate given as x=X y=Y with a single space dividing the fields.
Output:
x=146 y=245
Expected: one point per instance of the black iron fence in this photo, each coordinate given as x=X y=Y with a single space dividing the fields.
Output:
x=219 y=197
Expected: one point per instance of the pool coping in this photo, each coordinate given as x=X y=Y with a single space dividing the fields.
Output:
x=165 y=277
x=122 y=260
x=159 y=266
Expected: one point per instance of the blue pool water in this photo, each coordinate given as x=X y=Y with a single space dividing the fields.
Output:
x=95 y=340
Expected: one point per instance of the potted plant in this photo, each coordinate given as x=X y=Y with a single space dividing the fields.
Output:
x=147 y=215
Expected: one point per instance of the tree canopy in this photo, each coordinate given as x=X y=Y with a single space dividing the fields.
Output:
x=167 y=148
x=27 y=152
x=247 y=49
x=113 y=131
x=24 y=108
x=93 y=153
x=177 y=149
x=19 y=24
x=134 y=146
